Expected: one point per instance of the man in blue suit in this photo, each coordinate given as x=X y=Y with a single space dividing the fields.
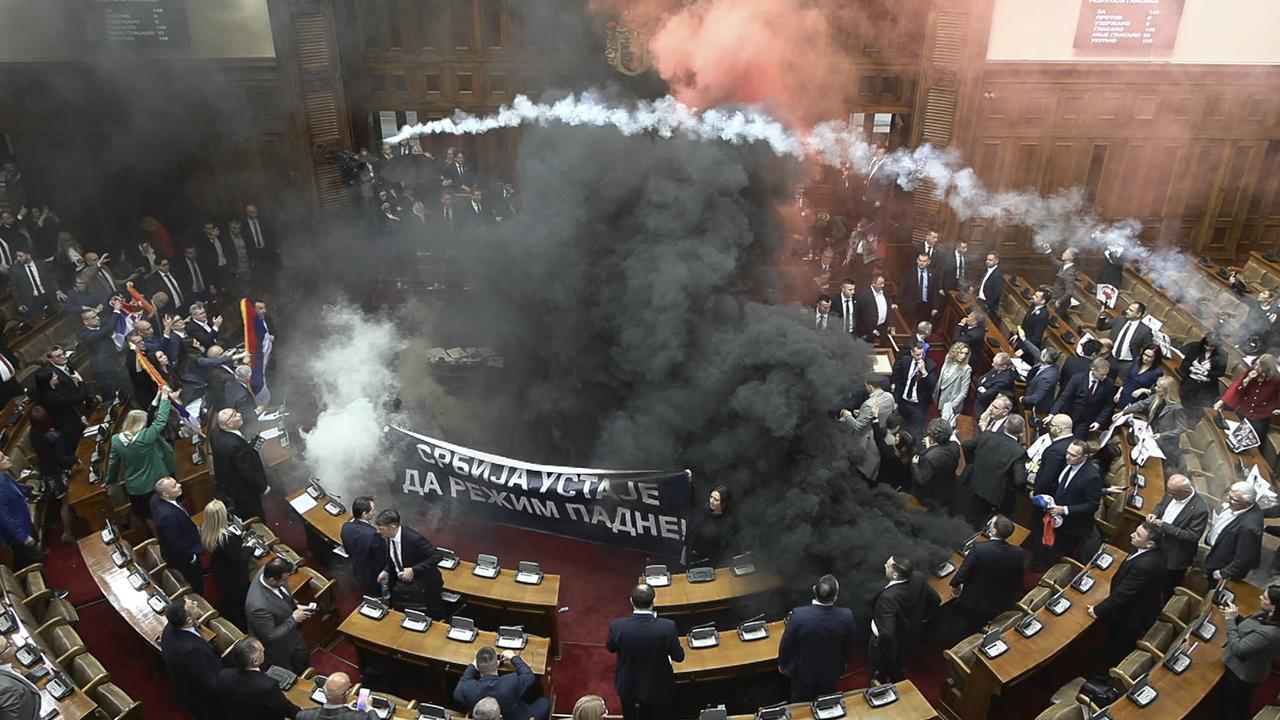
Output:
x=177 y=535
x=15 y=518
x=646 y=645
x=989 y=579
x=364 y=546
x=481 y=680
x=1088 y=398
x=817 y=643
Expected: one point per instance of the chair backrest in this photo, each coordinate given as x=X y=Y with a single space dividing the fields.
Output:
x=1036 y=598
x=225 y=635
x=1132 y=667
x=147 y=555
x=87 y=673
x=1158 y=638
x=1060 y=575
x=171 y=583
x=115 y=702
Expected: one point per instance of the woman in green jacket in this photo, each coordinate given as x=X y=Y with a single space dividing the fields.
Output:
x=142 y=456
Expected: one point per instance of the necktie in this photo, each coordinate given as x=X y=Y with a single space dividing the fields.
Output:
x=1093 y=385
x=35 y=278
x=284 y=595
x=173 y=288
x=1122 y=344
x=4 y=253
x=848 y=315
x=395 y=555
x=959 y=266
x=257 y=233
x=822 y=321
x=910 y=394
x=197 y=280
x=1064 y=480
x=924 y=286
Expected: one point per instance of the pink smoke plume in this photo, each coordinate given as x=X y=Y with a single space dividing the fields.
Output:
x=781 y=54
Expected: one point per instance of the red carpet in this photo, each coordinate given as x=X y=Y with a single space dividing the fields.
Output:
x=594 y=585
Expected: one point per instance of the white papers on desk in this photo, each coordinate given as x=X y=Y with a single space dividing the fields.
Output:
x=1241 y=436
x=271 y=416
x=1120 y=420
x=270 y=433
x=1266 y=496
x=303 y=503
x=1021 y=366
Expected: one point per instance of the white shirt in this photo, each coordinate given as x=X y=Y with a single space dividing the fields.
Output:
x=1175 y=506
x=982 y=286
x=1124 y=340
x=911 y=390
x=882 y=307
x=394 y=546
x=846 y=306
x=1222 y=519
x=875 y=630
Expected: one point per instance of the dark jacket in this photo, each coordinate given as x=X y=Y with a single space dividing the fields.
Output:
x=367 y=552
x=1084 y=408
x=1042 y=381
x=230 y=564
x=992 y=384
x=252 y=695
x=900 y=610
x=1051 y=463
x=193 y=667
x=934 y=475
x=1182 y=534
x=995 y=465
x=646 y=646
x=991 y=290
x=508 y=689
x=991 y=576
x=1195 y=393
x=710 y=539
x=924 y=385
x=15 y=514
x=1034 y=323
x=1141 y=335
x=817 y=642
x=1136 y=598
x=417 y=552
x=913 y=302
x=867 y=313
x=238 y=472
x=1080 y=498
x=1238 y=547
x=176 y=534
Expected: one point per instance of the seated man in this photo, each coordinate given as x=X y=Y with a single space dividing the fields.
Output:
x=247 y=693
x=481 y=680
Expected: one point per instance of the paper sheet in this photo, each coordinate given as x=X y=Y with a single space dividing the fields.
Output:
x=303 y=503
x=270 y=433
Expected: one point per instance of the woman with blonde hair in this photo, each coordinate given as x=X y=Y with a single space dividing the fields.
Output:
x=1167 y=417
x=953 y=382
x=140 y=456
x=231 y=564
x=589 y=707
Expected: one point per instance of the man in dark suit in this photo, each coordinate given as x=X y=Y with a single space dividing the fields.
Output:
x=1182 y=515
x=364 y=546
x=275 y=617
x=164 y=280
x=1088 y=399
x=818 y=640
x=1036 y=321
x=875 y=312
x=105 y=359
x=1054 y=457
x=1079 y=364
x=913 y=381
x=972 y=331
x=999 y=380
x=1075 y=500
x=34 y=288
x=237 y=395
x=337 y=691
x=955 y=269
x=989 y=579
x=192 y=662
x=1128 y=335
x=995 y=466
x=237 y=467
x=1064 y=280
x=457 y=170
x=918 y=292
x=195 y=274
x=845 y=306
x=264 y=242
x=481 y=680
x=931 y=247
x=176 y=534
x=475 y=211
x=823 y=318
x=202 y=329
x=1134 y=602
x=897 y=617
x=248 y=694
x=409 y=566
x=1235 y=535
x=646 y=645
x=933 y=472
x=991 y=286
x=1042 y=383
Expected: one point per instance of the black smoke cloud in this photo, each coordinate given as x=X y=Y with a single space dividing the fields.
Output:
x=622 y=301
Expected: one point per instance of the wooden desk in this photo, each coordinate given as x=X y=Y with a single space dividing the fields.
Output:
x=988 y=677
x=300 y=695
x=1180 y=694
x=682 y=597
x=433 y=650
x=74 y=706
x=1129 y=518
x=942 y=585
x=732 y=657
x=502 y=593
x=90 y=501
x=114 y=583
x=910 y=705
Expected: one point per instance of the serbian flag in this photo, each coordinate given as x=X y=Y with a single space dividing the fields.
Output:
x=183 y=414
x=132 y=309
x=257 y=342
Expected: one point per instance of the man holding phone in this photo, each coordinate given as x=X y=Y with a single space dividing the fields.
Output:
x=276 y=618
x=336 y=689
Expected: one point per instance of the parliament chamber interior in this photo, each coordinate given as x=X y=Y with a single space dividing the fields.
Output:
x=650 y=359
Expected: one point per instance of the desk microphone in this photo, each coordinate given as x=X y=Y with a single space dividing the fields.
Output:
x=711 y=625
x=751 y=620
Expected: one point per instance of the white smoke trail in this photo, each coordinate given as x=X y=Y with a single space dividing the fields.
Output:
x=1060 y=220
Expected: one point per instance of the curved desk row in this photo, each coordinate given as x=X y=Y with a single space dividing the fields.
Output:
x=910 y=705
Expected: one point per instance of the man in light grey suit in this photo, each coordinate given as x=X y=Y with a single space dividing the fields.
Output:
x=19 y=699
x=879 y=404
x=274 y=617
x=336 y=689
